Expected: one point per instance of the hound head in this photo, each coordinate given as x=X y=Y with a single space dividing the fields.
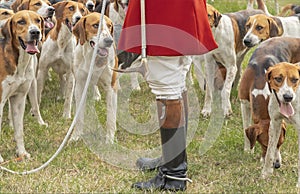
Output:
x=214 y=16
x=283 y=79
x=69 y=13
x=4 y=15
x=42 y=7
x=260 y=27
x=90 y=4
x=86 y=32
x=25 y=29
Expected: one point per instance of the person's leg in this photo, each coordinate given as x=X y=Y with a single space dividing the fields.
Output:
x=150 y=164
x=166 y=78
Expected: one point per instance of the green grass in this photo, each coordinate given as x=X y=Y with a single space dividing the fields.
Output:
x=84 y=168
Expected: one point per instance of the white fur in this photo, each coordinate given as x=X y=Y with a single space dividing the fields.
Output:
x=275 y=128
x=225 y=53
x=101 y=76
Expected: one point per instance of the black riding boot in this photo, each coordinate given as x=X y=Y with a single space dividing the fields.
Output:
x=153 y=163
x=172 y=173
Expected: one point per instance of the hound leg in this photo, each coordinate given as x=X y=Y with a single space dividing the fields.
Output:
x=69 y=95
x=246 y=117
x=198 y=62
x=81 y=77
x=111 y=117
x=298 y=129
x=210 y=66
x=274 y=134
x=18 y=107
x=134 y=81
x=226 y=91
x=35 y=109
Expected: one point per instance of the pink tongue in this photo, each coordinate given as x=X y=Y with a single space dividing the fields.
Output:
x=32 y=48
x=286 y=109
x=49 y=24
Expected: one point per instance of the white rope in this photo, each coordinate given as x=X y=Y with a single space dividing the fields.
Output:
x=70 y=130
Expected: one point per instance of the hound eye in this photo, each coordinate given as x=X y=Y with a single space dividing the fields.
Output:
x=278 y=79
x=38 y=21
x=96 y=26
x=248 y=26
x=22 y=22
x=38 y=4
x=82 y=10
x=71 y=8
x=259 y=28
x=5 y=13
x=294 y=80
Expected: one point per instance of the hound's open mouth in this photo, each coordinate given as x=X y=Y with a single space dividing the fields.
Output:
x=30 y=47
x=103 y=52
x=48 y=22
x=286 y=109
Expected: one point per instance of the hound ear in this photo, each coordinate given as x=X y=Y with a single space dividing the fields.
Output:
x=23 y=6
x=7 y=31
x=43 y=28
x=14 y=6
x=79 y=31
x=217 y=17
x=59 y=8
x=274 y=29
x=252 y=133
x=268 y=77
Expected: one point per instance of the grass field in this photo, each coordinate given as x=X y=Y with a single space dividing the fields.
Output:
x=217 y=162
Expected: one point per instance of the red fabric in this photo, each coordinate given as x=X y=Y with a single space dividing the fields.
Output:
x=173 y=28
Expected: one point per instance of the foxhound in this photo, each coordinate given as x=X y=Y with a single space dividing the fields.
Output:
x=4 y=15
x=86 y=33
x=58 y=51
x=254 y=91
x=42 y=7
x=228 y=31
x=22 y=33
x=261 y=27
x=289 y=10
x=283 y=79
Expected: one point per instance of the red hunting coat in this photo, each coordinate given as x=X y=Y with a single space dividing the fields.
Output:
x=173 y=28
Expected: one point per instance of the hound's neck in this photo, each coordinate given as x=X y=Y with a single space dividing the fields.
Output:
x=24 y=61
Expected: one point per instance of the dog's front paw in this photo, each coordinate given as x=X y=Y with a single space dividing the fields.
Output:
x=266 y=172
x=206 y=112
x=23 y=154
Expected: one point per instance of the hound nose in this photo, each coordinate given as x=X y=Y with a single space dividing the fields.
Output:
x=287 y=97
x=51 y=9
x=35 y=34
x=247 y=42
x=77 y=18
x=108 y=41
x=90 y=7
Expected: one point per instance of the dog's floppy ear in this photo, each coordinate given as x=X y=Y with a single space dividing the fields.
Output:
x=252 y=133
x=14 y=6
x=268 y=77
x=43 y=28
x=217 y=18
x=6 y=31
x=79 y=31
x=274 y=29
x=59 y=9
x=24 y=6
